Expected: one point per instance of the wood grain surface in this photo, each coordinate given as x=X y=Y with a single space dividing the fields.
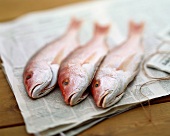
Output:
x=10 y=9
x=130 y=123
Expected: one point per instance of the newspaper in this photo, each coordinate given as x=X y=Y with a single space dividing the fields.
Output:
x=21 y=38
x=161 y=61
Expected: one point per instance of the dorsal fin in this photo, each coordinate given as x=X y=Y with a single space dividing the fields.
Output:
x=125 y=63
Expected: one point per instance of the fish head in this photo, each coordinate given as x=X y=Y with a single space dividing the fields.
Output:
x=107 y=89
x=73 y=83
x=36 y=77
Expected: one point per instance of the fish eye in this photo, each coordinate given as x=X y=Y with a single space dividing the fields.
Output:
x=96 y=84
x=28 y=76
x=66 y=82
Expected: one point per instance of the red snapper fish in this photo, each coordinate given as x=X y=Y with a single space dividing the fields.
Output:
x=77 y=70
x=40 y=74
x=118 y=69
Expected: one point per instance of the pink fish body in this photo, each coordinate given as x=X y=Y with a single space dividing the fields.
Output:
x=118 y=69
x=78 y=69
x=40 y=74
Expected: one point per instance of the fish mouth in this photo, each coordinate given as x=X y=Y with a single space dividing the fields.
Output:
x=77 y=97
x=39 y=91
x=42 y=89
x=108 y=99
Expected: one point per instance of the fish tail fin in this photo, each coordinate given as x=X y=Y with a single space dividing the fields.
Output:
x=75 y=23
x=136 y=28
x=101 y=30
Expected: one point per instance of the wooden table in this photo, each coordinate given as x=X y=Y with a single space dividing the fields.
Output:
x=130 y=123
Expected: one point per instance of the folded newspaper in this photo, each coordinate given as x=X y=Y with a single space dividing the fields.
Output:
x=161 y=60
x=21 y=38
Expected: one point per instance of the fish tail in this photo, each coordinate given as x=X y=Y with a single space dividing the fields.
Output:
x=75 y=23
x=101 y=30
x=136 y=28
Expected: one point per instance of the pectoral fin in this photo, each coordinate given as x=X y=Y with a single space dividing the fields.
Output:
x=59 y=57
x=126 y=62
x=90 y=59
